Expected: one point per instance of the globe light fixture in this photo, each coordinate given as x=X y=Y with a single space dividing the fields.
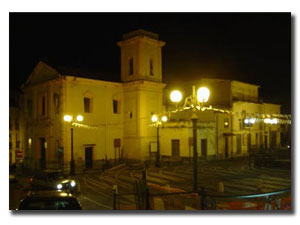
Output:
x=246 y=121
x=176 y=96
x=67 y=118
x=203 y=94
x=164 y=118
x=79 y=118
x=154 y=118
x=252 y=120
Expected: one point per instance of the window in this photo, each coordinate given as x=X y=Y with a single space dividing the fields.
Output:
x=116 y=106
x=43 y=105
x=130 y=66
x=29 y=107
x=17 y=124
x=151 y=67
x=87 y=105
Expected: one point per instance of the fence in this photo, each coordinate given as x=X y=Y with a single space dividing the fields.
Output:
x=167 y=198
x=261 y=157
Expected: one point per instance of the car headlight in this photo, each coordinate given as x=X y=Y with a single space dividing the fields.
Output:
x=73 y=183
x=59 y=186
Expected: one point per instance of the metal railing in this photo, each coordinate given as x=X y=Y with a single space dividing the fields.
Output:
x=144 y=199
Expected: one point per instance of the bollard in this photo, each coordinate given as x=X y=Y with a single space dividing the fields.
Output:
x=221 y=187
x=114 y=200
x=115 y=192
x=147 y=198
x=203 y=198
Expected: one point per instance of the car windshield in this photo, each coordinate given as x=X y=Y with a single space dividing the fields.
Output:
x=49 y=204
x=56 y=176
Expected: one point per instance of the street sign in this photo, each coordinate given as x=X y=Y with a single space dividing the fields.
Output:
x=117 y=143
x=19 y=154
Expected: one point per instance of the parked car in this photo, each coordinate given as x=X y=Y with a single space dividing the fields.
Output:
x=49 y=200
x=12 y=172
x=52 y=180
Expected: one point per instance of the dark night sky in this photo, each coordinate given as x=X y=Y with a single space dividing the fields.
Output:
x=254 y=48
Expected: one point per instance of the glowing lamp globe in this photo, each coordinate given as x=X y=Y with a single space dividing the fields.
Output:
x=203 y=94
x=154 y=118
x=176 y=96
x=67 y=118
x=164 y=119
x=79 y=118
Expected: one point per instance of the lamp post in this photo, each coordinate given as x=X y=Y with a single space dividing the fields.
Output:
x=194 y=103
x=158 y=121
x=69 y=119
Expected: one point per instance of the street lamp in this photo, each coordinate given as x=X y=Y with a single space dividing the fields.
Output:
x=193 y=102
x=158 y=121
x=69 y=118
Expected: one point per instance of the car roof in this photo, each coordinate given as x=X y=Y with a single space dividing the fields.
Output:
x=50 y=194
x=52 y=171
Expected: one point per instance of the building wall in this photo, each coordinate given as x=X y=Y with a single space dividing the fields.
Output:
x=244 y=92
x=14 y=134
x=105 y=125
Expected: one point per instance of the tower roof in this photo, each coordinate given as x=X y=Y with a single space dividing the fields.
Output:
x=140 y=32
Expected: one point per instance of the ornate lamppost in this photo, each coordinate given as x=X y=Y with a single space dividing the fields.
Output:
x=194 y=103
x=69 y=119
x=157 y=120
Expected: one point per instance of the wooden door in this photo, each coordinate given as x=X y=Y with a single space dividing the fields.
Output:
x=226 y=148
x=238 y=144
x=175 y=149
x=88 y=157
x=43 y=153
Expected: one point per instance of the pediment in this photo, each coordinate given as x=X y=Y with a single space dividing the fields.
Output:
x=42 y=73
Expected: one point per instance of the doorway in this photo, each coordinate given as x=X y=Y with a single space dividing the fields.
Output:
x=239 y=144
x=203 y=148
x=43 y=153
x=266 y=141
x=175 y=149
x=226 y=148
x=249 y=142
x=273 y=139
x=88 y=157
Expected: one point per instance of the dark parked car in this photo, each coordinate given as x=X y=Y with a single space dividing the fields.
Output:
x=52 y=180
x=49 y=200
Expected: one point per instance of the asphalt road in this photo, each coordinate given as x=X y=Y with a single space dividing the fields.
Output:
x=96 y=188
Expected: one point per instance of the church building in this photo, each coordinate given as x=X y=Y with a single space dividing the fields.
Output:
x=69 y=115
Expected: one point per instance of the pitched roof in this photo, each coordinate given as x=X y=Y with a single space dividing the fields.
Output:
x=83 y=73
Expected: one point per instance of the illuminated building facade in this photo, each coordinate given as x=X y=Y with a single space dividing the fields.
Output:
x=117 y=115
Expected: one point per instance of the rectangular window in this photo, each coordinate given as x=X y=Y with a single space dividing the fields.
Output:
x=87 y=105
x=43 y=105
x=151 y=67
x=130 y=66
x=115 y=106
x=17 y=123
x=29 y=107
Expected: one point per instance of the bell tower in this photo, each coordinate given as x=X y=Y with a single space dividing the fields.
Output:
x=141 y=56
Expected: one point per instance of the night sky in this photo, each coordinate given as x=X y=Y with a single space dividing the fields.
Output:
x=254 y=48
